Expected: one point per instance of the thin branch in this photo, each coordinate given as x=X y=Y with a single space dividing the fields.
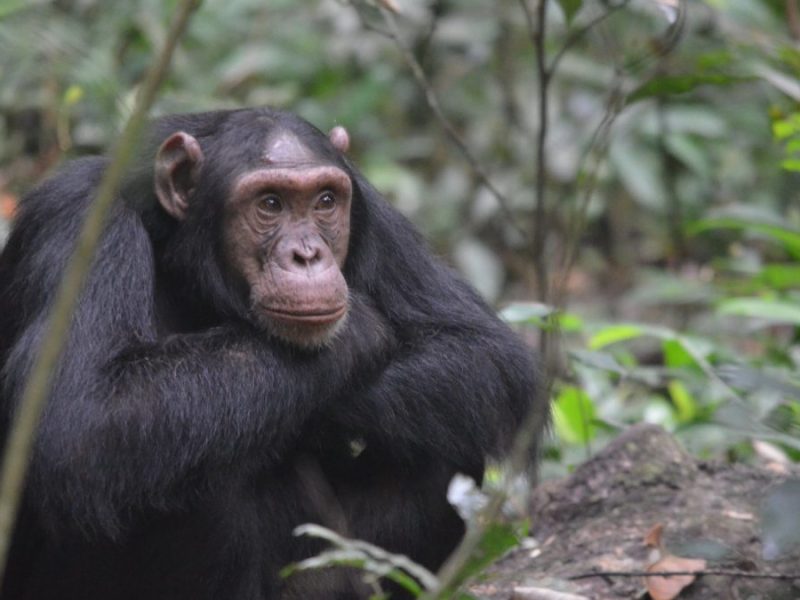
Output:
x=540 y=211
x=793 y=18
x=599 y=142
x=536 y=30
x=669 y=175
x=665 y=44
x=723 y=572
x=574 y=36
x=437 y=9
x=433 y=103
x=37 y=389
x=451 y=574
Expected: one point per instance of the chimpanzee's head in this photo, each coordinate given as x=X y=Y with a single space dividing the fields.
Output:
x=284 y=216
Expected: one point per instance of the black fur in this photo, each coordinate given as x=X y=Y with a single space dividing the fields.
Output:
x=181 y=445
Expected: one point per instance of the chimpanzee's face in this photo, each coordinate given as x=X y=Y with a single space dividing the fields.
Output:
x=287 y=228
x=286 y=231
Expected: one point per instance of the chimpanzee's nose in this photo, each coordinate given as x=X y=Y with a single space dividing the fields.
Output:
x=306 y=255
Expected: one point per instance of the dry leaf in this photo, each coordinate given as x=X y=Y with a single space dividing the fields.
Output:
x=667 y=588
x=771 y=453
x=653 y=537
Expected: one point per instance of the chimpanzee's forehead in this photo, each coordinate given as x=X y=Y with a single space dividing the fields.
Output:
x=283 y=148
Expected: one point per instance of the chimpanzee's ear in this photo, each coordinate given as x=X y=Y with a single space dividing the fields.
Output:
x=339 y=138
x=178 y=163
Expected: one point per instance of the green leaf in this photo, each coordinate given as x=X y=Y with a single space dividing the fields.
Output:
x=598 y=360
x=679 y=84
x=574 y=415
x=793 y=146
x=753 y=379
x=541 y=316
x=526 y=312
x=676 y=356
x=613 y=334
x=569 y=322
x=784 y=128
x=774 y=311
x=741 y=419
x=570 y=8
x=781 y=276
x=497 y=539
x=9 y=7
x=742 y=219
x=685 y=404
x=791 y=164
x=363 y=555
x=73 y=95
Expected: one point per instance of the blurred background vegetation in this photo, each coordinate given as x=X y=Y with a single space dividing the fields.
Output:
x=659 y=236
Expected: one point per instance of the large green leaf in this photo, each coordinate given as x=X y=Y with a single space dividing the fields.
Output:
x=615 y=333
x=541 y=316
x=680 y=84
x=497 y=539
x=570 y=8
x=9 y=7
x=684 y=402
x=676 y=356
x=774 y=311
x=574 y=415
x=781 y=276
x=745 y=219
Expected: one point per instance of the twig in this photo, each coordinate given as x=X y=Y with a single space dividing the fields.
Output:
x=666 y=43
x=574 y=36
x=432 y=100
x=536 y=30
x=599 y=141
x=614 y=107
x=793 y=18
x=37 y=388
x=437 y=9
x=449 y=574
x=669 y=174
x=722 y=572
x=451 y=571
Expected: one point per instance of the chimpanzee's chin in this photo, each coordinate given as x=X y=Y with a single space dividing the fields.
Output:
x=307 y=335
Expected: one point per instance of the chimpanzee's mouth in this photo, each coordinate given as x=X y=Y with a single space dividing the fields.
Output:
x=311 y=316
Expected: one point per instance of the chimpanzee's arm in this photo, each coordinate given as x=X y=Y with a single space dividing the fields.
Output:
x=462 y=381
x=458 y=394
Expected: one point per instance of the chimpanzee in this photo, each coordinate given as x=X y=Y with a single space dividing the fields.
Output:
x=262 y=342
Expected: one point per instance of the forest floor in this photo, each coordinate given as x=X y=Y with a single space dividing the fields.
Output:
x=597 y=519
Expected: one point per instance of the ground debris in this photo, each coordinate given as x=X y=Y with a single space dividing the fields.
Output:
x=596 y=521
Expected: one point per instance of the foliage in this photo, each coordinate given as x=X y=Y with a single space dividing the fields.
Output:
x=671 y=165
x=733 y=379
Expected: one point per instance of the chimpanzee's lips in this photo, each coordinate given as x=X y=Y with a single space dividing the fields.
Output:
x=307 y=317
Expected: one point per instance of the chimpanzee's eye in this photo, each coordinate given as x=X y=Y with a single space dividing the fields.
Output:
x=269 y=204
x=327 y=201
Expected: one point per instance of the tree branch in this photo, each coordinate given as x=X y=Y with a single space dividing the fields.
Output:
x=574 y=36
x=433 y=103
x=37 y=388
x=724 y=572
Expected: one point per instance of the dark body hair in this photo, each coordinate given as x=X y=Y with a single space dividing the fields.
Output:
x=182 y=443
